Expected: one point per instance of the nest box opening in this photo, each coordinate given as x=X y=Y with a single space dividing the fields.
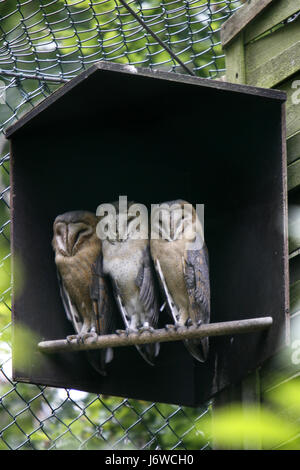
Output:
x=155 y=137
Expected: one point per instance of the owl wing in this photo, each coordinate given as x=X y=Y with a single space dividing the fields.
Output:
x=196 y=275
x=146 y=282
x=70 y=309
x=104 y=310
x=104 y=307
x=148 y=296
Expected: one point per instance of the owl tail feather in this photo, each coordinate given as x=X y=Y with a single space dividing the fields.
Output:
x=98 y=360
x=198 y=348
x=149 y=352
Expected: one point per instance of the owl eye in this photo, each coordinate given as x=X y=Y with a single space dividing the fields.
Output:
x=83 y=233
x=60 y=229
x=79 y=234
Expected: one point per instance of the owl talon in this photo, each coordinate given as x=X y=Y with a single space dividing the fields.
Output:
x=131 y=331
x=146 y=329
x=80 y=338
x=71 y=338
x=121 y=332
x=170 y=327
x=188 y=323
x=85 y=336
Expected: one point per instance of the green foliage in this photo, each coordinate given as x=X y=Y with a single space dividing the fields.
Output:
x=273 y=424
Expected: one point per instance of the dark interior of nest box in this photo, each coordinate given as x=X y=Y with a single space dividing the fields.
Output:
x=155 y=137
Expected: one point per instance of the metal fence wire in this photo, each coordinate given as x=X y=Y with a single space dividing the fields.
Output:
x=44 y=43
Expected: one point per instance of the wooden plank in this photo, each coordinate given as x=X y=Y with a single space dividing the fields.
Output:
x=270 y=17
x=237 y=22
x=295 y=297
x=273 y=58
x=276 y=70
x=294 y=175
x=281 y=383
x=294 y=269
x=294 y=240
x=277 y=371
x=291 y=444
x=250 y=398
x=261 y=51
x=285 y=223
x=235 y=61
x=102 y=69
x=227 y=398
x=276 y=376
x=292 y=88
x=295 y=329
x=288 y=406
x=293 y=147
x=294 y=221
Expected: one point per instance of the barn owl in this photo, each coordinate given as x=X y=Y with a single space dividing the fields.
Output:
x=77 y=256
x=127 y=262
x=181 y=261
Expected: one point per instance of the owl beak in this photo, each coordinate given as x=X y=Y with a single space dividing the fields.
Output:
x=72 y=237
x=172 y=229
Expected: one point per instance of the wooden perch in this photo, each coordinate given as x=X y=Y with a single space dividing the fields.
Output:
x=160 y=336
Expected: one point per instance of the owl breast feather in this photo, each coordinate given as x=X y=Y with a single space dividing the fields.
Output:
x=122 y=265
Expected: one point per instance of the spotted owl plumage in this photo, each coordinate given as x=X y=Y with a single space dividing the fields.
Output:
x=127 y=262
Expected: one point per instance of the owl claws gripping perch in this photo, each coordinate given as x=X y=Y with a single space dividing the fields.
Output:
x=146 y=329
x=137 y=331
x=172 y=327
x=81 y=338
x=121 y=332
x=127 y=332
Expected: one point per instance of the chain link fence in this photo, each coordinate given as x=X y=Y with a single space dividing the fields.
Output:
x=44 y=43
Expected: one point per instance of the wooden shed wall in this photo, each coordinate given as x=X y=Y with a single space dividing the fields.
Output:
x=261 y=42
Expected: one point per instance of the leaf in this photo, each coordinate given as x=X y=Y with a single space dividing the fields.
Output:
x=234 y=425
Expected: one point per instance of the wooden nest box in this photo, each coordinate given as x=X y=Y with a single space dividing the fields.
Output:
x=155 y=136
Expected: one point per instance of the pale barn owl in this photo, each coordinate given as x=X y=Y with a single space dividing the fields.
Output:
x=181 y=261
x=77 y=250
x=127 y=262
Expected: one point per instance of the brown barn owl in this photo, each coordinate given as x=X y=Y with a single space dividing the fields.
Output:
x=128 y=264
x=77 y=257
x=181 y=261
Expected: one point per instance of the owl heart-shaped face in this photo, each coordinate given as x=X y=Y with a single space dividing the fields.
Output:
x=69 y=237
x=174 y=220
x=71 y=230
x=119 y=223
